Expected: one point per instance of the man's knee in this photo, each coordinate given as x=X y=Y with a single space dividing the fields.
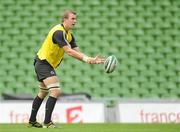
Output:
x=54 y=89
x=56 y=92
x=43 y=90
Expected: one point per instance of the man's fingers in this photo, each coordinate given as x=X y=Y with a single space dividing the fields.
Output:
x=97 y=60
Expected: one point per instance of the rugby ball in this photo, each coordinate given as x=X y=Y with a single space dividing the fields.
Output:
x=110 y=64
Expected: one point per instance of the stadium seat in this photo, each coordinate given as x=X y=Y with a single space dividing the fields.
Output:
x=110 y=3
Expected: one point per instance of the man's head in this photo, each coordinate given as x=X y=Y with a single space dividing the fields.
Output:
x=69 y=19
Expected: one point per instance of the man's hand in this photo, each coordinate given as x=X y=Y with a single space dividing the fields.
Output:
x=96 y=60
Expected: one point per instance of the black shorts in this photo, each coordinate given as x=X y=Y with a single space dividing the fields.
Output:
x=43 y=69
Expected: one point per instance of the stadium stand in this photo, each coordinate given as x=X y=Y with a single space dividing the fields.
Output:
x=144 y=35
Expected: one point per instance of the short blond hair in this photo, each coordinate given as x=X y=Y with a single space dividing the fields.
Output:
x=66 y=14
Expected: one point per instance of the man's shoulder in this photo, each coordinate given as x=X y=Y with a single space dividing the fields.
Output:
x=55 y=28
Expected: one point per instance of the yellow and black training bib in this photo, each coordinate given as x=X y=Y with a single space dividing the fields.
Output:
x=52 y=48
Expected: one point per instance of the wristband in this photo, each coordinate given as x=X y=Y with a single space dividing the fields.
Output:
x=85 y=58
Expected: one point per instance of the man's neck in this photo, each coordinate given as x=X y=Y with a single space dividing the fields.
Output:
x=65 y=27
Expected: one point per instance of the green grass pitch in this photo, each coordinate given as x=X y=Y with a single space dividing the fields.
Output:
x=107 y=127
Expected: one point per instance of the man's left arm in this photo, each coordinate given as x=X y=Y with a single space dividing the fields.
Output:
x=76 y=49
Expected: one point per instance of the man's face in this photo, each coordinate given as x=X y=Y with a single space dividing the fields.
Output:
x=70 y=21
